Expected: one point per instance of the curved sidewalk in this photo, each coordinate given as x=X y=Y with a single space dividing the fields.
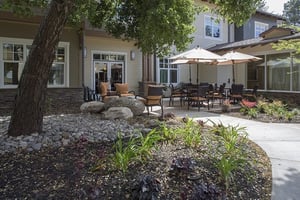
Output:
x=281 y=142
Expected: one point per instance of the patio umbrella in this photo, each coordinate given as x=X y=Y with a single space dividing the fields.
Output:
x=234 y=57
x=196 y=56
x=182 y=61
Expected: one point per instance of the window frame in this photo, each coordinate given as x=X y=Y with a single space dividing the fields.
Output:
x=259 y=24
x=26 y=43
x=212 y=23
x=168 y=68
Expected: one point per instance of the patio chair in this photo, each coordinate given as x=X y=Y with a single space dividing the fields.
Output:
x=89 y=94
x=103 y=89
x=154 y=98
x=218 y=95
x=236 y=93
x=176 y=92
x=122 y=90
x=197 y=96
x=251 y=96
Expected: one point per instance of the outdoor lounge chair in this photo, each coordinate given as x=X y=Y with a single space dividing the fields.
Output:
x=154 y=98
x=103 y=89
x=122 y=90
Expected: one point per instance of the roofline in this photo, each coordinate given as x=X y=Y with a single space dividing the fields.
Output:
x=262 y=12
x=259 y=42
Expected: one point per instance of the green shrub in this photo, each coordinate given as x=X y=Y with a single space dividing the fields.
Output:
x=190 y=133
x=230 y=153
x=124 y=153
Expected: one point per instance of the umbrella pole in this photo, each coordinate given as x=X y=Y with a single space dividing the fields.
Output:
x=190 y=73
x=197 y=73
x=233 y=78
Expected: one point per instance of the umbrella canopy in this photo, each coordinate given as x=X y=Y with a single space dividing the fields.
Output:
x=196 y=56
x=233 y=57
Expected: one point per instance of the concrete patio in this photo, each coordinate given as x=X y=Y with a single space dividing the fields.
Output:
x=281 y=142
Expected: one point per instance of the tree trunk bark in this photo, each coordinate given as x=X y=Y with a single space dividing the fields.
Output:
x=27 y=115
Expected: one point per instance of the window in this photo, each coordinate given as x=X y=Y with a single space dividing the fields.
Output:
x=296 y=73
x=259 y=28
x=212 y=27
x=13 y=55
x=256 y=74
x=282 y=72
x=278 y=71
x=167 y=73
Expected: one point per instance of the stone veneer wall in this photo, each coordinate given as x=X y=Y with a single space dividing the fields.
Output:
x=285 y=97
x=59 y=100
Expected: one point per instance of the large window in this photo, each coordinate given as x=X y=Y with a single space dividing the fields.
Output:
x=259 y=28
x=212 y=27
x=296 y=73
x=167 y=73
x=278 y=71
x=13 y=55
x=256 y=74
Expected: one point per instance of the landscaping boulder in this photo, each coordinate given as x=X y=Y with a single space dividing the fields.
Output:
x=136 y=106
x=118 y=113
x=92 y=107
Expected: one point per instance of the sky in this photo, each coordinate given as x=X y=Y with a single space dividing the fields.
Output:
x=275 y=6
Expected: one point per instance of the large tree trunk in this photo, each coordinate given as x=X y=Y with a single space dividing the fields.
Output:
x=27 y=116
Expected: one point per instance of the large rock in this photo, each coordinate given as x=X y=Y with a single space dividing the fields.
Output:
x=136 y=106
x=118 y=113
x=92 y=107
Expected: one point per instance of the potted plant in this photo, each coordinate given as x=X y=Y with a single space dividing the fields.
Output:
x=226 y=106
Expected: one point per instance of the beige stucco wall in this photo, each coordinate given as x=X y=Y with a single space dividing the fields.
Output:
x=18 y=30
x=133 y=68
x=207 y=73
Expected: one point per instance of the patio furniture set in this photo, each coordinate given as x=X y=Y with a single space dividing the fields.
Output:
x=194 y=95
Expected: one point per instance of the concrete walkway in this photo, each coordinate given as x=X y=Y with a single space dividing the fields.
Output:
x=281 y=142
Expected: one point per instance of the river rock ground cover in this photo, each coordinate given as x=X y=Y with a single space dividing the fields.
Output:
x=82 y=169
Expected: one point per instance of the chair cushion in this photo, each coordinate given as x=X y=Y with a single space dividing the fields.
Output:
x=153 y=100
x=121 y=88
x=103 y=88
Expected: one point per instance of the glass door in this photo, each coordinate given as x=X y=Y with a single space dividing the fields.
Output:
x=112 y=72
x=116 y=73
x=100 y=73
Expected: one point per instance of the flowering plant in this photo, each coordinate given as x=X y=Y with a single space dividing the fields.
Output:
x=226 y=106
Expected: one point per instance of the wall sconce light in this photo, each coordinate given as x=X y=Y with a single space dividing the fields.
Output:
x=132 y=55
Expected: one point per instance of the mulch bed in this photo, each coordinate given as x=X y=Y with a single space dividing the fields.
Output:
x=84 y=171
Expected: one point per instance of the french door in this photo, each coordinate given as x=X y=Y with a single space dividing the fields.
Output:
x=105 y=71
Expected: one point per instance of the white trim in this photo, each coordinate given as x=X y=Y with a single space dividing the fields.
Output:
x=256 y=23
x=211 y=37
x=125 y=69
x=25 y=42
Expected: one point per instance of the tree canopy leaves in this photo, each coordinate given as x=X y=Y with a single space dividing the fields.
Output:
x=236 y=11
x=293 y=44
x=154 y=25
x=292 y=12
